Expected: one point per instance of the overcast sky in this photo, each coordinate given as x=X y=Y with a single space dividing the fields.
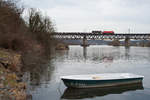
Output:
x=88 y=15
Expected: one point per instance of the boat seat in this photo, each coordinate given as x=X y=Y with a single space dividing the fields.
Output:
x=96 y=77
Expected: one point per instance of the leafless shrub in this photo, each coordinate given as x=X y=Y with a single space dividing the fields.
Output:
x=15 y=34
x=41 y=27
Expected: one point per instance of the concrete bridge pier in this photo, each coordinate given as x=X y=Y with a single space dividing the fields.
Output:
x=84 y=42
x=127 y=41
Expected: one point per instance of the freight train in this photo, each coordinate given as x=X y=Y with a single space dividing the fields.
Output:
x=103 y=32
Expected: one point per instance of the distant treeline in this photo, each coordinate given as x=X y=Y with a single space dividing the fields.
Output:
x=22 y=35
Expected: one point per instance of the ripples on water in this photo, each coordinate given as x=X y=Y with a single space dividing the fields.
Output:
x=46 y=85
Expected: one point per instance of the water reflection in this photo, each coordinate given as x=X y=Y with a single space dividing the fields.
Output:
x=85 y=52
x=107 y=59
x=44 y=80
x=70 y=93
x=38 y=74
x=98 y=55
x=101 y=54
x=127 y=53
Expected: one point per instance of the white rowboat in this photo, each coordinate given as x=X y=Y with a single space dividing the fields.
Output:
x=101 y=80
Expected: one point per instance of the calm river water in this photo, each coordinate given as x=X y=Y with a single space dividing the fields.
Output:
x=46 y=85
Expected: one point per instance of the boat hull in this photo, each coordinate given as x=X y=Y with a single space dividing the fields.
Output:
x=99 y=83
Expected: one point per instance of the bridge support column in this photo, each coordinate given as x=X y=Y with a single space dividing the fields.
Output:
x=85 y=42
x=127 y=41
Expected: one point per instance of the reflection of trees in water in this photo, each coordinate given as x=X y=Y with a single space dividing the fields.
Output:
x=36 y=75
x=37 y=70
x=40 y=70
x=60 y=55
x=40 y=74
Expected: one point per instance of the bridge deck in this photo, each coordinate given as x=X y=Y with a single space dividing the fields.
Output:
x=95 y=36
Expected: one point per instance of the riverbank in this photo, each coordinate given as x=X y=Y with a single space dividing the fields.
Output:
x=11 y=85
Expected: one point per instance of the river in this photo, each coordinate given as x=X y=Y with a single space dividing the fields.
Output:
x=46 y=85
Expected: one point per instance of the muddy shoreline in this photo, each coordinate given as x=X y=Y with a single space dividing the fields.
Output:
x=11 y=85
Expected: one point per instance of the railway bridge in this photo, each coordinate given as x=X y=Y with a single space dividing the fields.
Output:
x=96 y=36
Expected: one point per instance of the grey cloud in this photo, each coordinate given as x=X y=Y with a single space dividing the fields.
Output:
x=77 y=15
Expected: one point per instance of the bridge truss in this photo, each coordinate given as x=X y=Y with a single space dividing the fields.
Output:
x=96 y=36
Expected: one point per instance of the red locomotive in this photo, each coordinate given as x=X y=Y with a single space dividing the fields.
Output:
x=104 y=32
x=108 y=32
